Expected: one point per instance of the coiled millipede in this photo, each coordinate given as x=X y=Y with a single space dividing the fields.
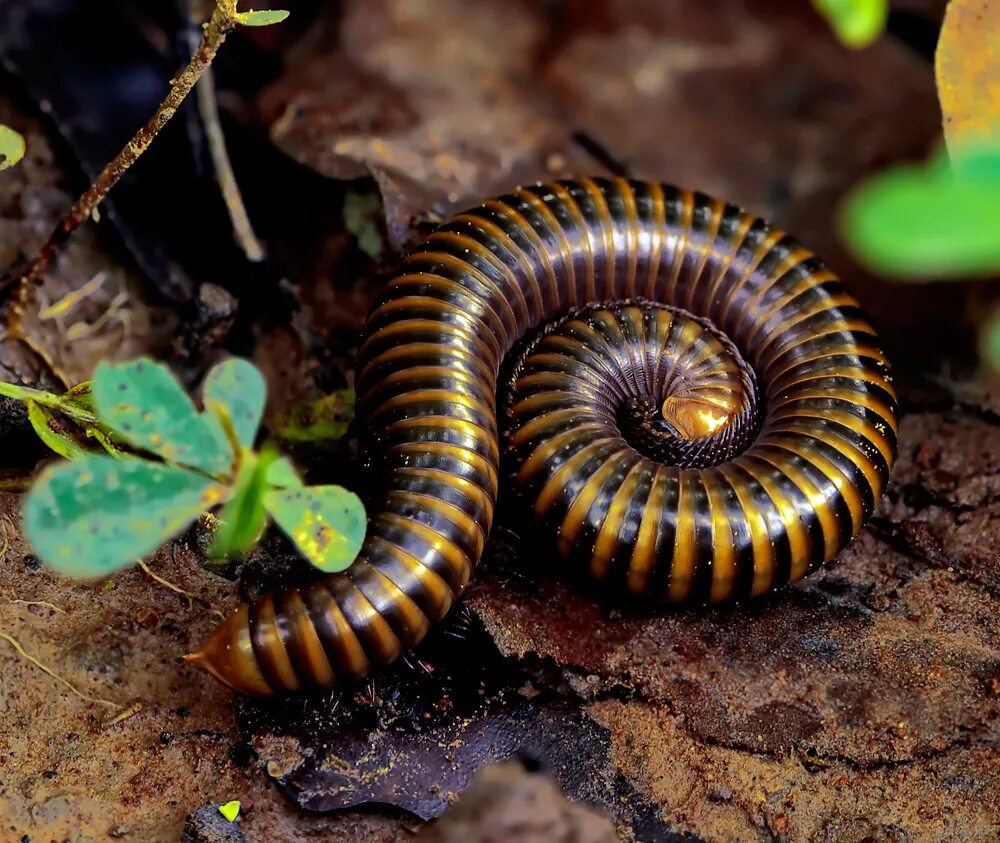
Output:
x=712 y=420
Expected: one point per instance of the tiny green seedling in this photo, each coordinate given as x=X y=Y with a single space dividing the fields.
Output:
x=101 y=510
x=857 y=23
x=12 y=147
x=230 y=810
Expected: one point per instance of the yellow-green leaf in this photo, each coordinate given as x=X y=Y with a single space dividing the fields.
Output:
x=320 y=422
x=264 y=17
x=231 y=810
x=12 y=147
x=327 y=523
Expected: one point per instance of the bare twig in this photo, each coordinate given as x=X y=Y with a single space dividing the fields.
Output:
x=242 y=227
x=125 y=714
x=222 y=22
x=44 y=603
x=10 y=639
x=166 y=583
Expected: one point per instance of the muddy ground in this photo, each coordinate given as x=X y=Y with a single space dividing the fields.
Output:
x=860 y=705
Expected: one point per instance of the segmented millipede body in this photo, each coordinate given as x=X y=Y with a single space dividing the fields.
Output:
x=702 y=414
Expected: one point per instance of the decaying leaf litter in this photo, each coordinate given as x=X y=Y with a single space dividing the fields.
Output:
x=862 y=703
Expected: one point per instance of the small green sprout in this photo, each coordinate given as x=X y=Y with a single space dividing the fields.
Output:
x=230 y=810
x=857 y=23
x=103 y=509
x=12 y=147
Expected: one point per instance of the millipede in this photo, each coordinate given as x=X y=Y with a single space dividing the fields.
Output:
x=692 y=407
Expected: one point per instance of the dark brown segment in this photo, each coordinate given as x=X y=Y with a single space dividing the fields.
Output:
x=705 y=451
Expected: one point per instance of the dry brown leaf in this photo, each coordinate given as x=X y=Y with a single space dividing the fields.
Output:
x=968 y=70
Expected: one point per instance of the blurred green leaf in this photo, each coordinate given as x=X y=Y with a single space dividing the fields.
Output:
x=262 y=18
x=323 y=421
x=327 y=523
x=237 y=386
x=363 y=216
x=929 y=222
x=146 y=405
x=989 y=341
x=12 y=147
x=857 y=23
x=96 y=514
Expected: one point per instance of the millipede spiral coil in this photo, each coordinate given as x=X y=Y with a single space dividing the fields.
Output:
x=702 y=415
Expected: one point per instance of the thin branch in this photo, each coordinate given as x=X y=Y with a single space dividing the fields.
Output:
x=219 y=26
x=166 y=583
x=45 y=603
x=242 y=227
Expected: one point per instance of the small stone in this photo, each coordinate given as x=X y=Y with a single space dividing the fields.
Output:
x=208 y=825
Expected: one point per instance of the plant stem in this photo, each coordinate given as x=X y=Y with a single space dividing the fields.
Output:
x=242 y=227
x=219 y=26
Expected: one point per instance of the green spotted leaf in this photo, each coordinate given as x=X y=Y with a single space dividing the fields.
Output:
x=97 y=514
x=857 y=23
x=244 y=517
x=236 y=388
x=327 y=523
x=146 y=405
x=265 y=17
x=12 y=147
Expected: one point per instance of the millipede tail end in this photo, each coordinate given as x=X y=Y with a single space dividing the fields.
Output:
x=228 y=656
